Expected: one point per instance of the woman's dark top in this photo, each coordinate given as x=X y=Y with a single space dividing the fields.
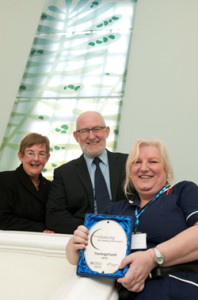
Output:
x=22 y=206
x=174 y=211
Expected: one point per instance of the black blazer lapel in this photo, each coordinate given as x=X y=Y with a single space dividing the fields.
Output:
x=27 y=184
x=84 y=177
x=116 y=169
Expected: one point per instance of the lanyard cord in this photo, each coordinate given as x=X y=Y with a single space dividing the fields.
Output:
x=147 y=205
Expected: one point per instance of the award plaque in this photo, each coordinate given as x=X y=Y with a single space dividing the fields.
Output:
x=109 y=242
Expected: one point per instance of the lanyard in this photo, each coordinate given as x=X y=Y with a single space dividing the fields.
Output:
x=146 y=206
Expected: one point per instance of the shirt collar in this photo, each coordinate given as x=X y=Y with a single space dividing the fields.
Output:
x=135 y=200
x=103 y=157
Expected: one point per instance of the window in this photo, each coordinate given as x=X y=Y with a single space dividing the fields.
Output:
x=78 y=62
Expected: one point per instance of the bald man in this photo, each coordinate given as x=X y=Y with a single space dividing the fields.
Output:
x=72 y=192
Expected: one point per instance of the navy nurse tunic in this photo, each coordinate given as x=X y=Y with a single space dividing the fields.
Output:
x=174 y=211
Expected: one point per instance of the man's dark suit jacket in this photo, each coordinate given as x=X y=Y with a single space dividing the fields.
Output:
x=71 y=195
x=22 y=207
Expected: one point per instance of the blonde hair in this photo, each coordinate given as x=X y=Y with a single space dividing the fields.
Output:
x=34 y=139
x=133 y=156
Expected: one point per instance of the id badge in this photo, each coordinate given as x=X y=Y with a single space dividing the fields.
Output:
x=138 y=241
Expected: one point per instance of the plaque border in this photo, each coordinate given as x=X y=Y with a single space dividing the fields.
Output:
x=91 y=220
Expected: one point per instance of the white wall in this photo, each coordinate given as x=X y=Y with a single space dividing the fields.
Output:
x=17 y=29
x=161 y=93
x=161 y=99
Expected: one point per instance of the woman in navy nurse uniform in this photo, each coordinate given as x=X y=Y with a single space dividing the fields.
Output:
x=164 y=263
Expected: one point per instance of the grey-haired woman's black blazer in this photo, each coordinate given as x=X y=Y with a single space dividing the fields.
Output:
x=22 y=207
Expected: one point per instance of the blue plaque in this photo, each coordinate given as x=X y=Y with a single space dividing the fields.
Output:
x=109 y=241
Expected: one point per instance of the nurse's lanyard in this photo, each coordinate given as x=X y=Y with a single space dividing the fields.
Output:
x=147 y=205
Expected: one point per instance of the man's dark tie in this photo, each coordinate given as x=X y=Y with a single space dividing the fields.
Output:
x=101 y=191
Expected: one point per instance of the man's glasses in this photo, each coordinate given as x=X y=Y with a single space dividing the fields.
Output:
x=32 y=154
x=86 y=131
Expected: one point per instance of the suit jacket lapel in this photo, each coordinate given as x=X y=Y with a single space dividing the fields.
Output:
x=27 y=183
x=84 y=177
x=114 y=166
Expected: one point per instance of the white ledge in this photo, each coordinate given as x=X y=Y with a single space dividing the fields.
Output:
x=34 y=242
x=34 y=266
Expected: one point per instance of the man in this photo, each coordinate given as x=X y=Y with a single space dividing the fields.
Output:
x=72 y=193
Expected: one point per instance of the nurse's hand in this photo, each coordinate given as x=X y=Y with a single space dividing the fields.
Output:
x=77 y=242
x=140 y=265
x=80 y=238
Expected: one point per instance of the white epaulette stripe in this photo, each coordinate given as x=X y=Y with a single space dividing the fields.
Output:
x=184 y=280
x=195 y=212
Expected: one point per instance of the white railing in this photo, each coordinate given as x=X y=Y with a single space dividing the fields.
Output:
x=33 y=266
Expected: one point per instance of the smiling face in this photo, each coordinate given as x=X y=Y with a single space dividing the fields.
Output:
x=34 y=160
x=91 y=143
x=147 y=172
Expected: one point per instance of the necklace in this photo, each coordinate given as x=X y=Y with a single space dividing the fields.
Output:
x=37 y=185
